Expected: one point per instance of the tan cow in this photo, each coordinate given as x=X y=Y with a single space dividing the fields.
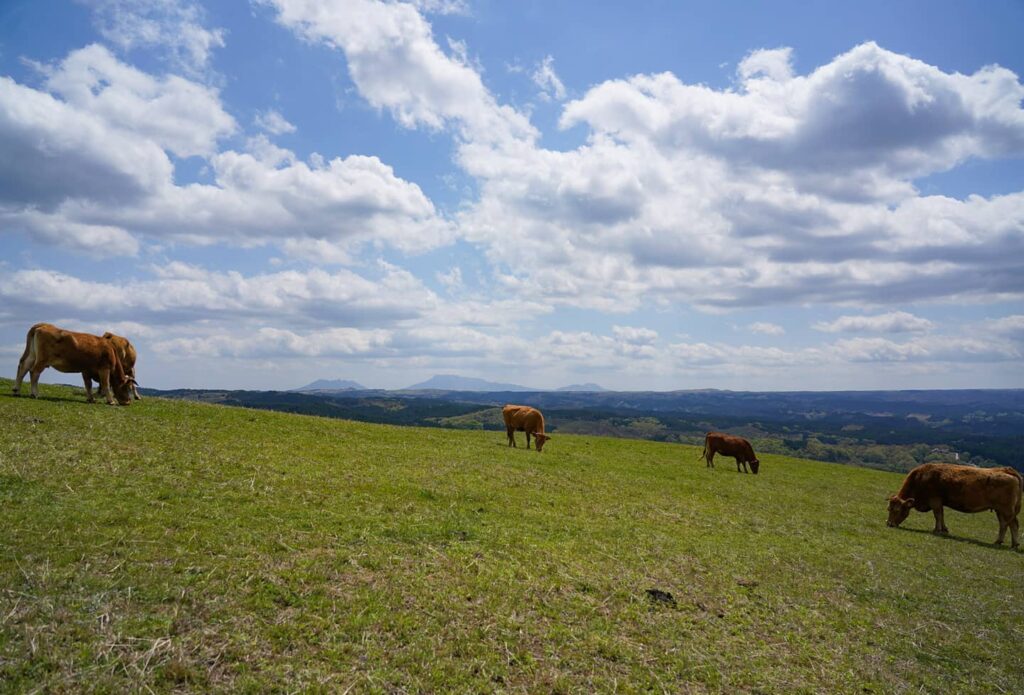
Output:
x=963 y=488
x=126 y=353
x=523 y=418
x=71 y=352
x=728 y=445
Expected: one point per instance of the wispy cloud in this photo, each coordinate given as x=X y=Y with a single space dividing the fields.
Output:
x=891 y=322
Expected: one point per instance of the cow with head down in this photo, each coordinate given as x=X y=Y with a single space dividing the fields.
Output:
x=729 y=445
x=523 y=418
x=126 y=353
x=71 y=352
x=932 y=486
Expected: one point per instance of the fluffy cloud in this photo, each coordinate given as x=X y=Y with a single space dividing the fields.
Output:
x=274 y=342
x=173 y=113
x=790 y=189
x=396 y=64
x=891 y=322
x=868 y=110
x=172 y=26
x=934 y=349
x=184 y=293
x=54 y=152
x=89 y=169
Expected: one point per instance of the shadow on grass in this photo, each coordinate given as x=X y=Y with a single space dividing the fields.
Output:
x=80 y=398
x=958 y=539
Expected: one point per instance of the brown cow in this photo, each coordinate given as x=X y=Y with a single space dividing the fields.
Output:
x=71 y=352
x=963 y=488
x=728 y=445
x=523 y=418
x=126 y=353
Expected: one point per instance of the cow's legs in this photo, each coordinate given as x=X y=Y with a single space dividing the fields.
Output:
x=711 y=459
x=1014 y=532
x=23 y=367
x=1004 y=523
x=511 y=437
x=738 y=462
x=88 y=389
x=135 y=388
x=527 y=440
x=34 y=376
x=940 y=524
x=105 y=386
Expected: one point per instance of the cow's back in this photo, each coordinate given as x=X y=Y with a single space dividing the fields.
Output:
x=523 y=417
x=124 y=348
x=728 y=445
x=963 y=488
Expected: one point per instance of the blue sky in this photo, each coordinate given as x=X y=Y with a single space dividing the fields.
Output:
x=763 y=196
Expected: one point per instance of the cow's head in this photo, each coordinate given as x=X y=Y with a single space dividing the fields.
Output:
x=899 y=509
x=541 y=438
x=123 y=389
x=754 y=465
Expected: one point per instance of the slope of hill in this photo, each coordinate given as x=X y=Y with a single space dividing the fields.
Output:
x=890 y=430
x=178 y=545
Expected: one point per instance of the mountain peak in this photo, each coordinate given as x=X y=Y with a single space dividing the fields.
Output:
x=453 y=382
x=332 y=385
x=589 y=387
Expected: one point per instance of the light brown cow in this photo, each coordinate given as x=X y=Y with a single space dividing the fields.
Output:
x=728 y=445
x=126 y=353
x=71 y=352
x=963 y=488
x=523 y=418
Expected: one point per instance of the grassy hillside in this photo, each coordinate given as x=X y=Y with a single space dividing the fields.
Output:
x=181 y=545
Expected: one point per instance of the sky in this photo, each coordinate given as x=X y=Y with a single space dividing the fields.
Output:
x=649 y=196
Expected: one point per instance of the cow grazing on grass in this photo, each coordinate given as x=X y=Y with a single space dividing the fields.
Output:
x=70 y=352
x=523 y=418
x=963 y=488
x=728 y=445
x=126 y=353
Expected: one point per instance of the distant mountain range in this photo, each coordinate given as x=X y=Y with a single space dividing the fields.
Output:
x=452 y=382
x=332 y=385
x=446 y=382
x=589 y=387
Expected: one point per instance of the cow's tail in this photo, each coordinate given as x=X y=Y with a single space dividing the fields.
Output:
x=28 y=345
x=704 y=454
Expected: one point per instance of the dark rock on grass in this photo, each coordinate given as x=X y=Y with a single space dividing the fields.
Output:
x=657 y=596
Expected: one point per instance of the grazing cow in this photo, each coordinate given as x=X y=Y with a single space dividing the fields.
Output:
x=963 y=488
x=126 y=353
x=71 y=352
x=523 y=418
x=728 y=445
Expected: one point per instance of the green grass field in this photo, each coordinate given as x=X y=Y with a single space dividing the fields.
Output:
x=179 y=546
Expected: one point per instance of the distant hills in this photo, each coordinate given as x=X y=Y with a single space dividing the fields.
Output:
x=452 y=382
x=589 y=387
x=448 y=382
x=332 y=385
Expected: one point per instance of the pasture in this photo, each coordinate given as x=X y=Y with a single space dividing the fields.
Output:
x=173 y=545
